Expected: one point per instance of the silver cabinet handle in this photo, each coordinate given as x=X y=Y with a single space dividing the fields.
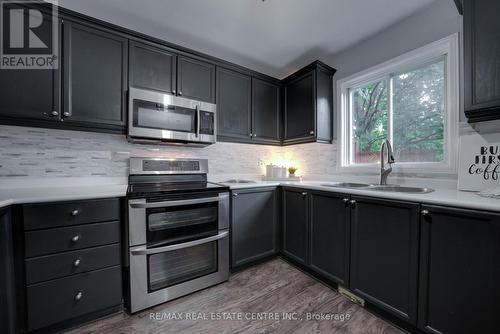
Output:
x=255 y=135
x=173 y=91
x=425 y=213
x=75 y=213
x=180 y=93
x=145 y=251
x=345 y=200
x=251 y=135
x=304 y=194
x=78 y=296
x=235 y=194
x=198 y=120
x=175 y=203
x=66 y=114
x=352 y=202
x=75 y=238
x=311 y=132
x=76 y=263
x=54 y=113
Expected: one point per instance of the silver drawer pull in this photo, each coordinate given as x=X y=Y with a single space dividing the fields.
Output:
x=75 y=238
x=78 y=296
x=75 y=212
x=76 y=263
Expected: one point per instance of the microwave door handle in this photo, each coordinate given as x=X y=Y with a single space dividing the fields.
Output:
x=176 y=203
x=198 y=120
x=145 y=251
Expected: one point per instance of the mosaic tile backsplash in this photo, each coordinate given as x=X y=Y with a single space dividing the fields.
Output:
x=37 y=152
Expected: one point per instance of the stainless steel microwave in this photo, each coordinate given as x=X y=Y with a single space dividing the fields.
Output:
x=164 y=118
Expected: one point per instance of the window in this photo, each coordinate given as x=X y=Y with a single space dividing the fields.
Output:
x=412 y=101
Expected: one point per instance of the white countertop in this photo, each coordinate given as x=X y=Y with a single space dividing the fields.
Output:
x=446 y=197
x=67 y=189
x=60 y=189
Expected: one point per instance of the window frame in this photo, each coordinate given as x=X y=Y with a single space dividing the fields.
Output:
x=448 y=48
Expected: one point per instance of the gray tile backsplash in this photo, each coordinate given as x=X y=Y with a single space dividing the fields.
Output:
x=34 y=152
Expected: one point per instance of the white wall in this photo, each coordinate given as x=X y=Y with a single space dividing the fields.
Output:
x=439 y=20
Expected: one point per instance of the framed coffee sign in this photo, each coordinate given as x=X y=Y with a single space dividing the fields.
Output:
x=479 y=162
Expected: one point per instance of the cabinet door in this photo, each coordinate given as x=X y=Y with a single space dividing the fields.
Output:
x=30 y=94
x=196 y=79
x=265 y=111
x=295 y=224
x=233 y=105
x=384 y=253
x=254 y=225
x=300 y=107
x=7 y=279
x=459 y=271
x=329 y=236
x=95 y=75
x=482 y=59
x=152 y=68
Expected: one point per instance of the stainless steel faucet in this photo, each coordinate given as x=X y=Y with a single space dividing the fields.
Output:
x=385 y=171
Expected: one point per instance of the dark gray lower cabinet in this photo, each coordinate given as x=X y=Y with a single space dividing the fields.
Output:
x=68 y=267
x=384 y=255
x=254 y=227
x=329 y=236
x=459 y=271
x=58 y=300
x=7 y=279
x=295 y=224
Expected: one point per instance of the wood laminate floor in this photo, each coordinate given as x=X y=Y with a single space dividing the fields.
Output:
x=275 y=289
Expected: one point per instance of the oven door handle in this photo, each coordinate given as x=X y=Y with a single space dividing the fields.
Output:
x=146 y=251
x=198 y=121
x=176 y=203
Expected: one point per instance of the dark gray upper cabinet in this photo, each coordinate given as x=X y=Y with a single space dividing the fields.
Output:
x=234 y=105
x=460 y=6
x=254 y=225
x=459 y=271
x=30 y=94
x=152 y=67
x=329 y=236
x=384 y=255
x=308 y=114
x=265 y=111
x=295 y=224
x=95 y=76
x=196 y=79
x=482 y=60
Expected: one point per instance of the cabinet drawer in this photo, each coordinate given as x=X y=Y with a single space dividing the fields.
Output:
x=71 y=238
x=66 y=298
x=39 y=216
x=50 y=267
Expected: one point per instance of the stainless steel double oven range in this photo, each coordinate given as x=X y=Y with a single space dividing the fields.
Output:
x=178 y=227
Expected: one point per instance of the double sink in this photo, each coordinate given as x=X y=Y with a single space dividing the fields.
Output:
x=361 y=186
x=378 y=187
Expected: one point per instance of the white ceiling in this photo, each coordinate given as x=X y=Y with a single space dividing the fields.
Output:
x=273 y=36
